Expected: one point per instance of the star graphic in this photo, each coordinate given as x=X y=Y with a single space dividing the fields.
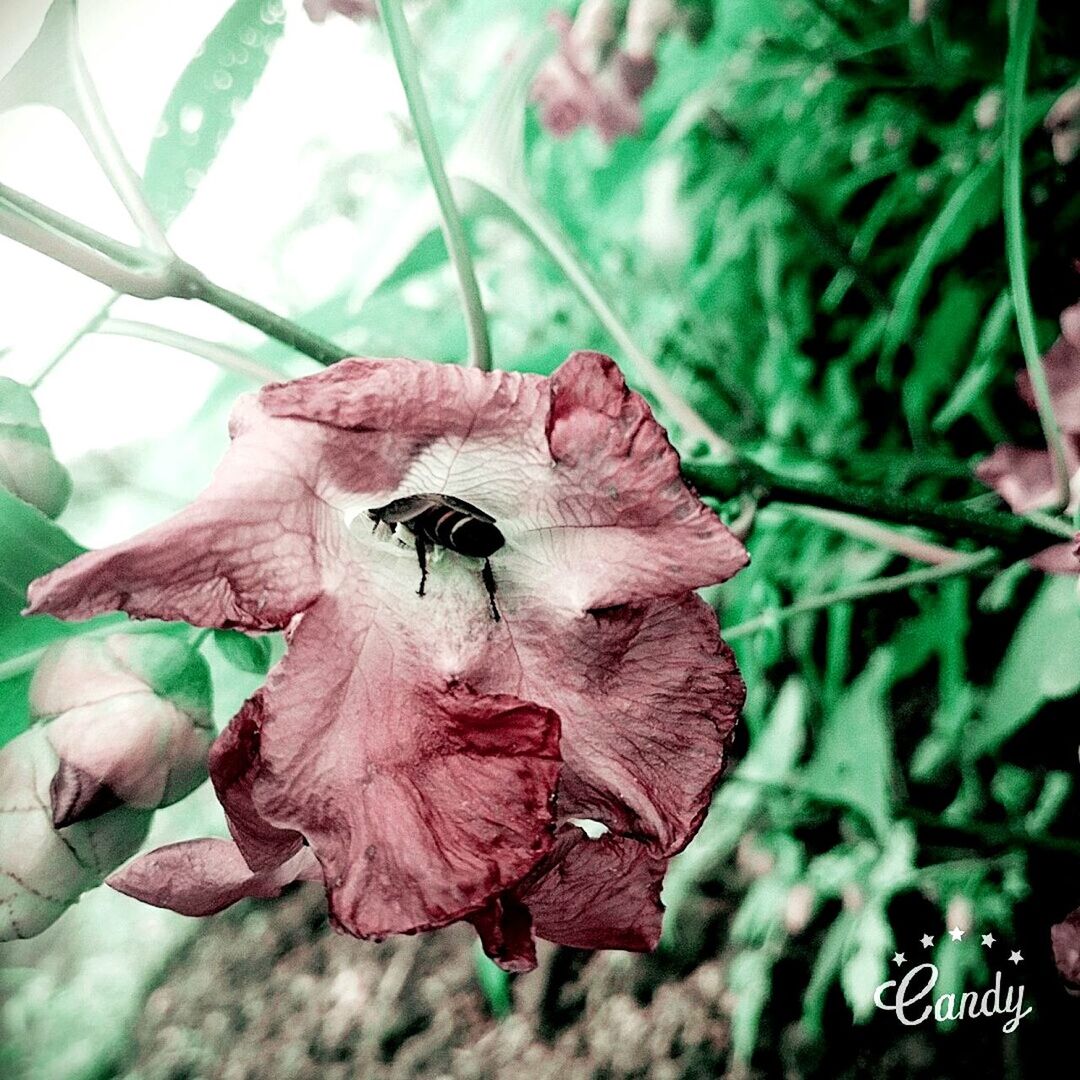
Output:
x=898 y=959
x=988 y=940
x=927 y=941
x=1015 y=957
x=956 y=933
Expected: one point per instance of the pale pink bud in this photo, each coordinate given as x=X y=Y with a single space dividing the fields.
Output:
x=959 y=913
x=798 y=908
x=129 y=717
x=593 y=31
x=646 y=20
x=1063 y=123
x=27 y=466
x=41 y=872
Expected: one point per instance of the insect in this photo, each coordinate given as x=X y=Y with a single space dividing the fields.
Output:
x=443 y=521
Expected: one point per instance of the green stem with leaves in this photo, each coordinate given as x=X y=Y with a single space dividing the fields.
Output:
x=1021 y=29
x=401 y=44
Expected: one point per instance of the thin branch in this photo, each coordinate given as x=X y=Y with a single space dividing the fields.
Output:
x=874 y=587
x=401 y=43
x=221 y=355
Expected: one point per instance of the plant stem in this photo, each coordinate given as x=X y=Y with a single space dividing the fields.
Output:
x=532 y=222
x=989 y=526
x=88 y=327
x=874 y=587
x=1021 y=27
x=194 y=285
x=221 y=355
x=401 y=44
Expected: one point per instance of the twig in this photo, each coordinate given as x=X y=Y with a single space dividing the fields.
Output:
x=1021 y=27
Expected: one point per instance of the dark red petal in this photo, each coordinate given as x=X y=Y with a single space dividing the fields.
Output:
x=598 y=894
x=201 y=877
x=421 y=801
x=234 y=766
x=650 y=695
x=505 y=929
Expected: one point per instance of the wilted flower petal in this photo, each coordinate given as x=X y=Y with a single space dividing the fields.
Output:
x=202 y=877
x=414 y=741
x=42 y=871
x=27 y=466
x=129 y=717
x=1023 y=478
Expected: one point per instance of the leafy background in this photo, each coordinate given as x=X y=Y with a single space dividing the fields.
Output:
x=807 y=237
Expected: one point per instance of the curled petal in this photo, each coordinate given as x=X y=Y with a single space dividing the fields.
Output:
x=616 y=521
x=1023 y=478
x=234 y=766
x=505 y=929
x=202 y=877
x=598 y=894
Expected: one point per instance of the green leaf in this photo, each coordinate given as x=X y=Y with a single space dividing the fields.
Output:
x=1042 y=664
x=205 y=101
x=854 y=760
x=865 y=968
x=494 y=984
x=251 y=654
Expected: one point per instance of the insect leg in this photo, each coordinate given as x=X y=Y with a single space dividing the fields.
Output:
x=489 y=584
x=421 y=558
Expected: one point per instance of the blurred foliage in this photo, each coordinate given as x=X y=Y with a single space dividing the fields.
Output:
x=807 y=235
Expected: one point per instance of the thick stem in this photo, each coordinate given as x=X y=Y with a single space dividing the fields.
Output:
x=196 y=286
x=401 y=44
x=1021 y=27
x=1015 y=533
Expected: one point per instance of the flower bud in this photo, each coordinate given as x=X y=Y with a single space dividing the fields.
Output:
x=1063 y=123
x=646 y=20
x=42 y=873
x=27 y=466
x=129 y=718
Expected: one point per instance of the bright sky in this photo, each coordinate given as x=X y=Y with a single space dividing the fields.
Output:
x=328 y=93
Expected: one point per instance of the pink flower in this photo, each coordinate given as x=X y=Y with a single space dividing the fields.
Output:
x=590 y=83
x=1025 y=478
x=448 y=755
x=356 y=10
x=1065 y=942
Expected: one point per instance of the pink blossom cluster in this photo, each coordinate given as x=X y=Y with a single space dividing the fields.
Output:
x=601 y=70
